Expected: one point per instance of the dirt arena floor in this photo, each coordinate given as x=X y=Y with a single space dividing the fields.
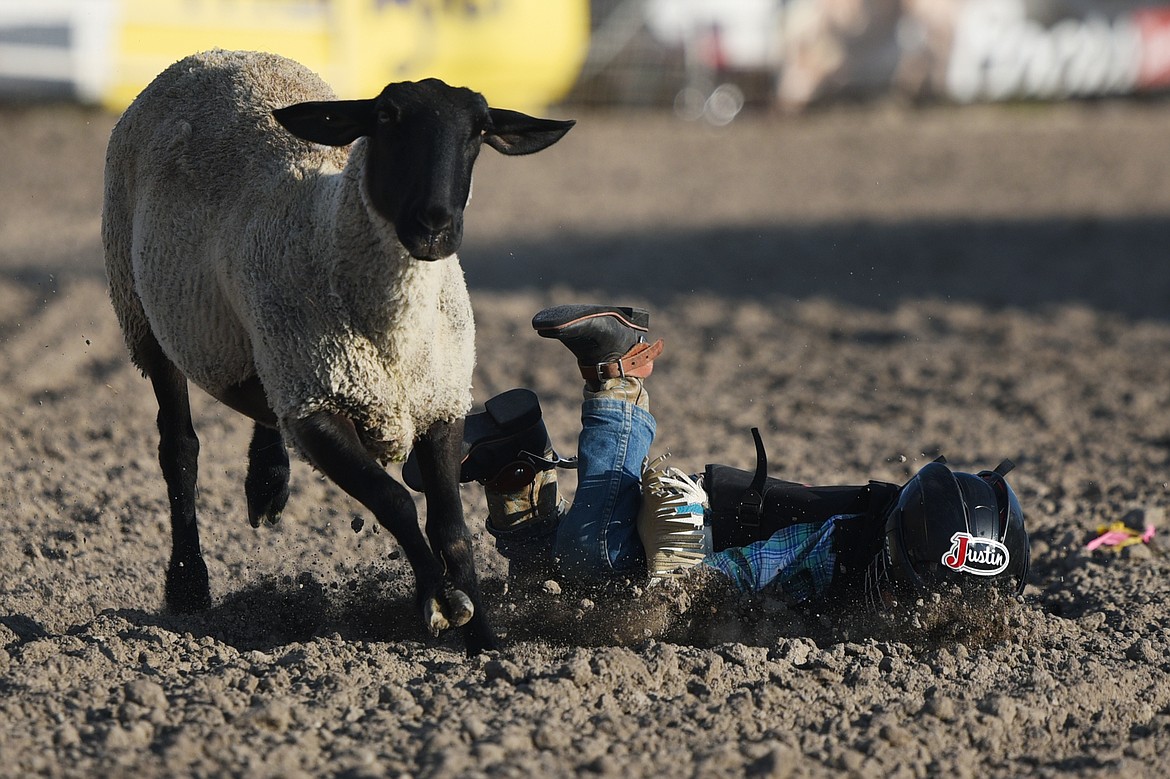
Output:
x=872 y=287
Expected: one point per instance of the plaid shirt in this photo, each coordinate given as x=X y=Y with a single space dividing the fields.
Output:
x=799 y=559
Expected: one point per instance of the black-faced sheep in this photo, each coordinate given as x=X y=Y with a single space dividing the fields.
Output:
x=312 y=287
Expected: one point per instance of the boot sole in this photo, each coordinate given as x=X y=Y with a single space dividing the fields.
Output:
x=549 y=322
x=502 y=423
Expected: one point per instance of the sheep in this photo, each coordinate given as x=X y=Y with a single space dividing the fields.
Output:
x=311 y=287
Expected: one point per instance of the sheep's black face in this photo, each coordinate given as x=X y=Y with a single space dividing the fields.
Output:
x=424 y=139
x=422 y=152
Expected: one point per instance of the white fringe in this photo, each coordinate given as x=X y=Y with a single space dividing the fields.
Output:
x=670 y=522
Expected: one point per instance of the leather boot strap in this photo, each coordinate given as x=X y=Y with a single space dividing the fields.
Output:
x=636 y=363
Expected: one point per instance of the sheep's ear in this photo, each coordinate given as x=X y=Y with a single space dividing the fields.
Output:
x=512 y=132
x=331 y=122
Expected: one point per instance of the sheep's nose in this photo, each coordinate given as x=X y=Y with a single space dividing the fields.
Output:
x=437 y=218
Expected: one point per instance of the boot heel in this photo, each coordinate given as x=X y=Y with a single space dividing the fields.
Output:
x=514 y=410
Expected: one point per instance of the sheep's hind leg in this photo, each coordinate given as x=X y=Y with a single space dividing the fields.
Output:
x=331 y=442
x=187 y=589
x=266 y=484
x=439 y=454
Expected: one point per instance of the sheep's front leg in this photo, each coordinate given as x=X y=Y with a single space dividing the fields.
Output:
x=187 y=589
x=439 y=455
x=266 y=485
x=332 y=444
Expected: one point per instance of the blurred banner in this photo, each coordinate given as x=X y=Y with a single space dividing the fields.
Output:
x=523 y=54
x=707 y=58
x=710 y=57
x=968 y=50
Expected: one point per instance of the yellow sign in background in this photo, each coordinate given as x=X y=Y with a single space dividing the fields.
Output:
x=521 y=54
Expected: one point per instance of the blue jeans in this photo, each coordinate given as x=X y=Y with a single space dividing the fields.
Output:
x=598 y=537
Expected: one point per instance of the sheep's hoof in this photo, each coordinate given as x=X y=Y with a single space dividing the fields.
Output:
x=460 y=609
x=255 y=520
x=266 y=511
x=433 y=616
x=456 y=611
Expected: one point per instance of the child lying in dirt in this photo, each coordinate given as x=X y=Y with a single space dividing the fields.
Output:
x=878 y=543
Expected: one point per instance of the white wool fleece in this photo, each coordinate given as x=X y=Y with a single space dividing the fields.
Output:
x=249 y=252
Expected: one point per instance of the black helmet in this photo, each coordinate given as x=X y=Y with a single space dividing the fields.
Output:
x=948 y=527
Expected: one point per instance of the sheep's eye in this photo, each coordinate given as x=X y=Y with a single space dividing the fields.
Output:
x=384 y=117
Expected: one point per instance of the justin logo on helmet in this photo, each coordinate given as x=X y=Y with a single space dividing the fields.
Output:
x=979 y=556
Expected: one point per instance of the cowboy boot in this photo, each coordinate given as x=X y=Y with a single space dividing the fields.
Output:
x=508 y=450
x=609 y=343
x=519 y=498
x=524 y=509
x=510 y=428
